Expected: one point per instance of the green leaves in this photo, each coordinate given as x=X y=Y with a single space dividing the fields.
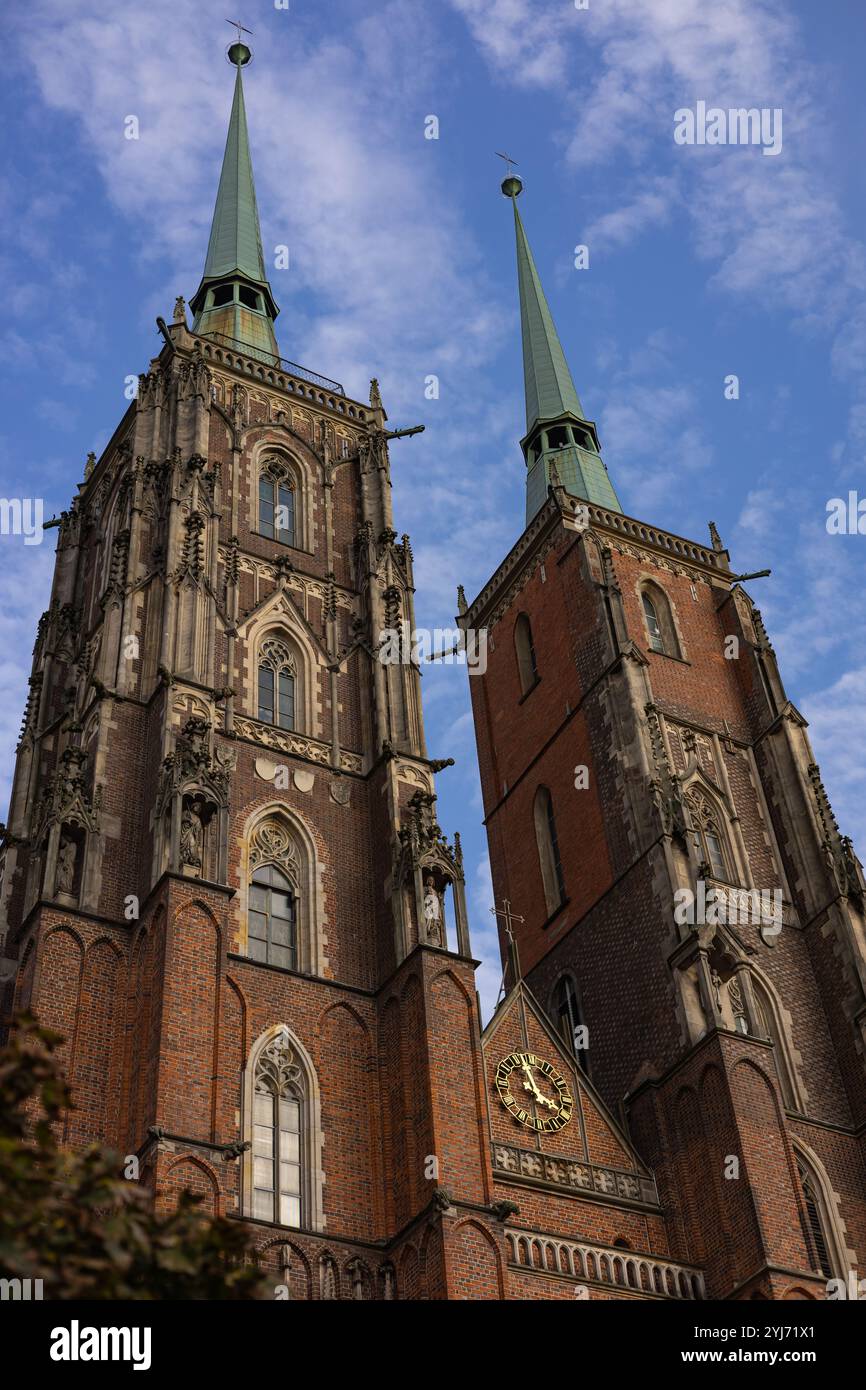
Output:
x=69 y=1219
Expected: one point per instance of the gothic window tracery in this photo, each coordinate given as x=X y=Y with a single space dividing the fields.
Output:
x=278 y=1120
x=277 y=678
x=272 y=913
x=709 y=839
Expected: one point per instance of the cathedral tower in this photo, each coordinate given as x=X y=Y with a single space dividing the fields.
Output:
x=686 y=909
x=225 y=883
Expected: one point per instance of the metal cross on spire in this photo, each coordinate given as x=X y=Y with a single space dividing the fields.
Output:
x=514 y=959
x=240 y=28
x=507 y=157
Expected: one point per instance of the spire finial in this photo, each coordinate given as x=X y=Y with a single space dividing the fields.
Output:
x=239 y=53
x=512 y=184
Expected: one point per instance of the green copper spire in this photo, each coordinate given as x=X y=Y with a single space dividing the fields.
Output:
x=234 y=299
x=549 y=387
x=557 y=431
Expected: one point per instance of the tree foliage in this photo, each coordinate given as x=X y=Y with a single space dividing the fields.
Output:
x=70 y=1219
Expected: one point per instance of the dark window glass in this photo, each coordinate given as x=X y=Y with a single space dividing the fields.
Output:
x=272 y=918
x=816 y=1226
x=287 y=700
x=266 y=694
x=266 y=507
x=554 y=848
x=286 y=532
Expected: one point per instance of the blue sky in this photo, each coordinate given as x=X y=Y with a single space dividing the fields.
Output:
x=704 y=261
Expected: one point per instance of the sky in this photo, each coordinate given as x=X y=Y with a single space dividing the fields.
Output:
x=705 y=262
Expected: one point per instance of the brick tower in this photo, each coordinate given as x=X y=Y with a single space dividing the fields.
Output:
x=225 y=884
x=645 y=780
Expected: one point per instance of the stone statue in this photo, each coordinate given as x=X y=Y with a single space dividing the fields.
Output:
x=66 y=865
x=191 y=833
x=180 y=309
x=432 y=912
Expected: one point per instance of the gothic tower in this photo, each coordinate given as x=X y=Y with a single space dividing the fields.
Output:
x=687 y=910
x=225 y=883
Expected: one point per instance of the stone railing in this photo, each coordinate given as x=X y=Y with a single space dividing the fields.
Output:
x=296 y=745
x=628 y=1270
x=574 y=1174
x=251 y=365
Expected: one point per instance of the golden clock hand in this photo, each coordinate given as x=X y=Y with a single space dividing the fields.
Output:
x=530 y=1084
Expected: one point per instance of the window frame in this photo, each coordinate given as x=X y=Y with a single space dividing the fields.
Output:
x=268 y=888
x=524 y=648
x=550 y=858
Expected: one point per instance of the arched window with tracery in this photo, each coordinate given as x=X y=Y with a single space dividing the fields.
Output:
x=277 y=684
x=279 y=1119
x=709 y=838
x=272 y=911
x=524 y=647
x=548 y=850
x=277 y=502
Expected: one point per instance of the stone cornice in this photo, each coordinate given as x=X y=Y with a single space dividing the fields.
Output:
x=706 y=563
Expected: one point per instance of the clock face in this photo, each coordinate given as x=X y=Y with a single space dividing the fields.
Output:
x=534 y=1092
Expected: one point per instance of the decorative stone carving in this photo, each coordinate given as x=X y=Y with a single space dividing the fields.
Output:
x=65 y=877
x=277 y=1072
x=272 y=844
x=66 y=797
x=191 y=835
x=432 y=912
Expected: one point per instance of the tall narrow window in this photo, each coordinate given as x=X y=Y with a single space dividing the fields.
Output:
x=652 y=624
x=278 y=1106
x=276 y=504
x=658 y=619
x=765 y=1024
x=272 y=918
x=276 y=690
x=548 y=850
x=816 y=1217
x=525 y=649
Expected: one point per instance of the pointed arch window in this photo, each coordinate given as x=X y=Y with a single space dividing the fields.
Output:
x=524 y=647
x=276 y=687
x=766 y=1024
x=709 y=839
x=277 y=509
x=658 y=619
x=820 y=1227
x=548 y=851
x=652 y=624
x=278 y=1126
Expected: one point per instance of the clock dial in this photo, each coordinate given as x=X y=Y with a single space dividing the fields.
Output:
x=534 y=1092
